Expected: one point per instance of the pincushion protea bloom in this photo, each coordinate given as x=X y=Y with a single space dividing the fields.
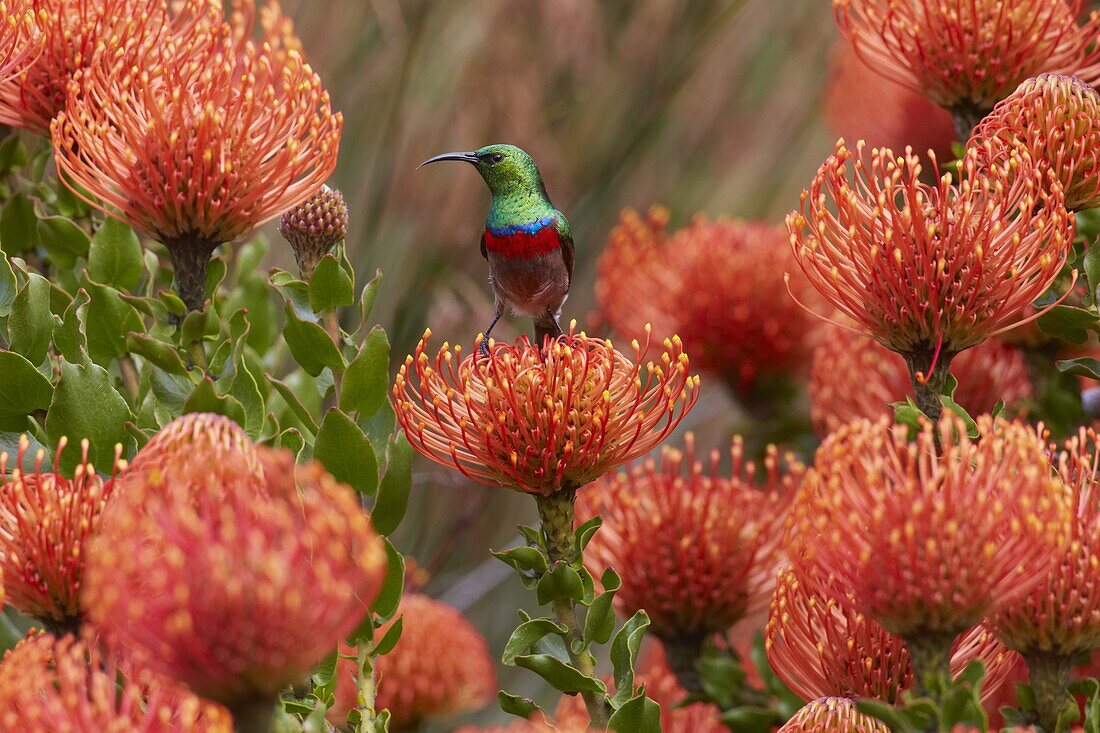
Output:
x=822 y=646
x=930 y=270
x=69 y=684
x=927 y=541
x=861 y=104
x=231 y=584
x=966 y=55
x=851 y=376
x=1057 y=119
x=203 y=439
x=246 y=133
x=832 y=715
x=541 y=421
x=697 y=548
x=21 y=40
x=46 y=521
x=714 y=283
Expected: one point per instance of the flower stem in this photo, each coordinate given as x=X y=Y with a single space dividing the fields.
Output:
x=930 y=653
x=1049 y=677
x=682 y=653
x=332 y=326
x=966 y=117
x=253 y=715
x=929 y=378
x=556 y=516
x=365 y=696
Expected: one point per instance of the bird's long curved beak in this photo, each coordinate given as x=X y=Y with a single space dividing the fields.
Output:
x=468 y=157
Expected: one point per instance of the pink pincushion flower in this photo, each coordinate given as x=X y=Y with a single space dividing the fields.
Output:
x=832 y=715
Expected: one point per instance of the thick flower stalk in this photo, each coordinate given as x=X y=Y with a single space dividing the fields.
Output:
x=1058 y=622
x=245 y=133
x=927 y=542
x=821 y=646
x=46 y=521
x=69 y=684
x=851 y=376
x=1056 y=118
x=832 y=715
x=861 y=104
x=21 y=38
x=697 y=547
x=967 y=55
x=233 y=584
x=929 y=270
x=542 y=422
x=715 y=284
x=314 y=227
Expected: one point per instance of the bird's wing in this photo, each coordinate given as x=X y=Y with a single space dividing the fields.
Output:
x=484 y=252
x=568 y=252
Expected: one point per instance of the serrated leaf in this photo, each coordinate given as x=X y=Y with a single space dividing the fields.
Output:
x=114 y=256
x=367 y=379
x=30 y=326
x=86 y=405
x=560 y=675
x=525 y=636
x=330 y=287
x=637 y=715
x=310 y=345
x=347 y=454
x=18 y=225
x=64 y=241
x=624 y=653
x=23 y=389
x=393 y=490
x=599 y=622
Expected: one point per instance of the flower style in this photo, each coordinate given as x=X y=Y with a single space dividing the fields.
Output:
x=46 y=520
x=861 y=104
x=930 y=270
x=539 y=421
x=832 y=715
x=69 y=684
x=1057 y=119
x=851 y=377
x=930 y=542
x=697 y=549
x=821 y=646
x=966 y=55
x=198 y=138
x=21 y=39
x=233 y=584
x=715 y=283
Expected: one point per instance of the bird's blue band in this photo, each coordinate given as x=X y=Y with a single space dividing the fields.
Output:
x=527 y=228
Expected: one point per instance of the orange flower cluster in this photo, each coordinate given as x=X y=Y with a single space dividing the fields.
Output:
x=715 y=283
x=198 y=137
x=231 y=582
x=67 y=684
x=46 y=521
x=929 y=270
x=21 y=40
x=966 y=55
x=1056 y=119
x=542 y=421
x=851 y=377
x=927 y=541
x=697 y=549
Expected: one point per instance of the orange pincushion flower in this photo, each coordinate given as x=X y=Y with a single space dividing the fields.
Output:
x=68 y=684
x=46 y=520
x=832 y=715
x=21 y=39
x=541 y=422
x=697 y=550
x=233 y=584
x=441 y=665
x=851 y=376
x=929 y=270
x=200 y=438
x=718 y=284
x=1061 y=615
x=861 y=104
x=966 y=55
x=930 y=542
x=822 y=646
x=198 y=138
x=1057 y=119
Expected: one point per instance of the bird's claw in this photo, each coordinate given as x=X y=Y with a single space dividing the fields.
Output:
x=483 y=348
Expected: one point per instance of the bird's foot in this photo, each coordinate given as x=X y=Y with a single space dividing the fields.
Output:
x=483 y=347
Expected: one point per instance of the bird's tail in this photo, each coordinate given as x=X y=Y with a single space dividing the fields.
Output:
x=546 y=326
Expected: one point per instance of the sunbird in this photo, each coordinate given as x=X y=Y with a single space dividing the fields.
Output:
x=526 y=240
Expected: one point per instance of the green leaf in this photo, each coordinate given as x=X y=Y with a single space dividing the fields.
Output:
x=393 y=490
x=750 y=719
x=366 y=298
x=525 y=559
x=385 y=604
x=971 y=425
x=367 y=379
x=624 y=653
x=560 y=675
x=292 y=440
x=599 y=622
x=215 y=273
x=526 y=635
x=13 y=154
x=163 y=354
x=23 y=389
x=310 y=346
x=330 y=287
x=347 y=454
x=389 y=640
x=586 y=531
x=109 y=319
x=30 y=325
x=637 y=715
x=561 y=583
x=1082 y=367
x=114 y=257
x=206 y=399
x=64 y=241
x=199 y=325
x=9 y=286
x=295 y=404
x=326 y=670
x=722 y=676
x=882 y=711
x=18 y=225
x=522 y=707
x=86 y=405
x=1069 y=323
x=1092 y=273
x=70 y=337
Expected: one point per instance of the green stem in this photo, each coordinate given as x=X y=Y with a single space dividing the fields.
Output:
x=556 y=516
x=930 y=653
x=367 y=689
x=682 y=653
x=253 y=715
x=929 y=379
x=332 y=326
x=1049 y=679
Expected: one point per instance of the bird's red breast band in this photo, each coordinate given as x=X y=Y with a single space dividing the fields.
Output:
x=523 y=244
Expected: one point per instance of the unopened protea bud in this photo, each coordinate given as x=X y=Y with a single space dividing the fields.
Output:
x=314 y=227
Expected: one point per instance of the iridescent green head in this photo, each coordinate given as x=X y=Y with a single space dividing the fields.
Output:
x=506 y=169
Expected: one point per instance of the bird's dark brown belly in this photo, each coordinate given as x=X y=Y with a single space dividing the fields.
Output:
x=532 y=285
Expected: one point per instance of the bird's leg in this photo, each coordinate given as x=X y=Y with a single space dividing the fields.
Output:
x=483 y=348
x=547 y=326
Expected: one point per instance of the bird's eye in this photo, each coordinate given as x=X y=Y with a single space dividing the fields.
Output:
x=496 y=157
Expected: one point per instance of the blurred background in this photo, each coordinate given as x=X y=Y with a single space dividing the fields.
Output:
x=705 y=106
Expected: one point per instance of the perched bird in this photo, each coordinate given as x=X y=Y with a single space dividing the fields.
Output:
x=526 y=240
